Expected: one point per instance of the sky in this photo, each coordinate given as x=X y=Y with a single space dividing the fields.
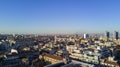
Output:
x=59 y=16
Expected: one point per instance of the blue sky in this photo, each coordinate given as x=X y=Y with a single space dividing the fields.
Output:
x=59 y=16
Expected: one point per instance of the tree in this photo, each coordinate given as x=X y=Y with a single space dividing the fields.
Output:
x=117 y=56
x=118 y=62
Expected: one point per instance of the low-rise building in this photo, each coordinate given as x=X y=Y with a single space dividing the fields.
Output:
x=51 y=58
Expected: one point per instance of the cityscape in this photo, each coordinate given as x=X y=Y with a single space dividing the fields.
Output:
x=77 y=50
x=59 y=33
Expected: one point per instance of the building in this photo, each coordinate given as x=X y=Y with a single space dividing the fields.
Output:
x=116 y=35
x=51 y=58
x=86 y=36
x=107 y=35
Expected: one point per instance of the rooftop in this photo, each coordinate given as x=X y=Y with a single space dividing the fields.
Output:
x=54 y=56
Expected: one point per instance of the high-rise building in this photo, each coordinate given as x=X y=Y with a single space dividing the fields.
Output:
x=86 y=36
x=107 y=35
x=116 y=35
x=55 y=39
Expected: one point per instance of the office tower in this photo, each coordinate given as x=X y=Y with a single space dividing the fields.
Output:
x=55 y=39
x=116 y=35
x=86 y=36
x=107 y=35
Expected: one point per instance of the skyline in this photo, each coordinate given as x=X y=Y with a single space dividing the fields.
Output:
x=59 y=16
